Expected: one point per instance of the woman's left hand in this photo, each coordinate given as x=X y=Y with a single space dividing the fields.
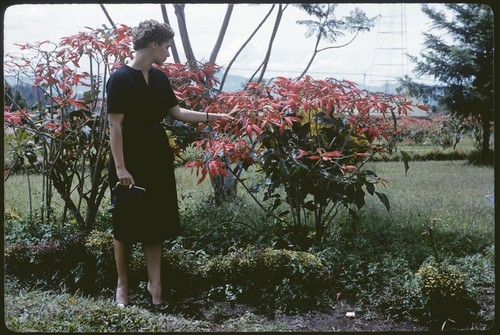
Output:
x=224 y=117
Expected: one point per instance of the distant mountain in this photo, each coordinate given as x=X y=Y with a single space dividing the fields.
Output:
x=233 y=82
x=30 y=94
x=386 y=88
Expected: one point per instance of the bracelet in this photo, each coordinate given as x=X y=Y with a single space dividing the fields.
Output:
x=207 y=118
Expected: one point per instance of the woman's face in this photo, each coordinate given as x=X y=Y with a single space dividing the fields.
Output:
x=161 y=52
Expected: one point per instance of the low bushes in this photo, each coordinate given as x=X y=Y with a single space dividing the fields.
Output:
x=429 y=155
x=445 y=294
x=272 y=280
x=53 y=262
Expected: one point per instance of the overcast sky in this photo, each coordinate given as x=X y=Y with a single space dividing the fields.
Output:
x=364 y=61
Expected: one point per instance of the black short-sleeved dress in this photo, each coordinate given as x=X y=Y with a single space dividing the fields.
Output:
x=147 y=155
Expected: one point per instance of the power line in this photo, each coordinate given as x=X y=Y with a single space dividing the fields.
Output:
x=390 y=52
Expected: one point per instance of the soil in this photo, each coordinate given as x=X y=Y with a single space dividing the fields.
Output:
x=222 y=315
x=335 y=320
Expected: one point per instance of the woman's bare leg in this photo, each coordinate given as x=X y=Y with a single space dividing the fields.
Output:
x=152 y=253
x=122 y=257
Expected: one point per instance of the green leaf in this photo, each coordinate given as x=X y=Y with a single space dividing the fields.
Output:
x=406 y=159
x=310 y=205
x=285 y=174
x=304 y=130
x=359 y=198
x=384 y=200
x=370 y=188
x=31 y=157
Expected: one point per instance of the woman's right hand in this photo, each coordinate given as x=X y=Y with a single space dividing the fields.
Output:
x=124 y=177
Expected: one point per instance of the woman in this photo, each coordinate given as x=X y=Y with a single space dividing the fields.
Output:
x=139 y=97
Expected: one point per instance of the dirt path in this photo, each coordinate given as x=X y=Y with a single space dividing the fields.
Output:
x=333 y=321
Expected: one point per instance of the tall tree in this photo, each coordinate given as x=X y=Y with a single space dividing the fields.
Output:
x=329 y=28
x=175 y=54
x=222 y=34
x=462 y=64
x=243 y=47
x=277 y=22
x=264 y=63
x=186 y=43
x=107 y=16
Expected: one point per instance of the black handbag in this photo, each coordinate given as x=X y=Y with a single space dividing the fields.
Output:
x=125 y=195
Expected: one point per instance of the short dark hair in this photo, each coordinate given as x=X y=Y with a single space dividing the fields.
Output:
x=151 y=31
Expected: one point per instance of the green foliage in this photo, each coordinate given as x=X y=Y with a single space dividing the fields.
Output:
x=273 y=280
x=53 y=262
x=479 y=268
x=25 y=231
x=217 y=228
x=430 y=155
x=442 y=283
x=445 y=293
x=99 y=248
x=99 y=243
x=463 y=64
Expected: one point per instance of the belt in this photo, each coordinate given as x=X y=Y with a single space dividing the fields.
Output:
x=144 y=127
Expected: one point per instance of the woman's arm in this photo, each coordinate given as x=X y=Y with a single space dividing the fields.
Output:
x=116 y=140
x=190 y=116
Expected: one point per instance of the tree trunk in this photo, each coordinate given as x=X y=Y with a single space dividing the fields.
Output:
x=186 y=44
x=486 y=156
x=107 y=15
x=312 y=58
x=175 y=54
x=93 y=206
x=58 y=179
x=243 y=46
x=222 y=33
x=224 y=187
x=271 y=41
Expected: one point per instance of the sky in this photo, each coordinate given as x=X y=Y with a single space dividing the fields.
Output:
x=371 y=59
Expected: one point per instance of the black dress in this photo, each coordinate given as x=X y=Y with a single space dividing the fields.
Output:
x=147 y=154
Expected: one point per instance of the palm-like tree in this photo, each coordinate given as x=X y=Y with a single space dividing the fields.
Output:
x=328 y=27
x=183 y=31
x=222 y=34
x=175 y=54
x=243 y=47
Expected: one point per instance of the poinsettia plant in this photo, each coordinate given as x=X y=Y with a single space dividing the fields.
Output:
x=310 y=138
x=64 y=135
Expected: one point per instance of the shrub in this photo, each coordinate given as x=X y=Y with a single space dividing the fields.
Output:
x=183 y=272
x=99 y=247
x=429 y=155
x=274 y=280
x=445 y=293
x=53 y=262
x=218 y=228
x=18 y=230
x=479 y=268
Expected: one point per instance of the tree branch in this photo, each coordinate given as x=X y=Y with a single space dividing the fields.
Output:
x=341 y=46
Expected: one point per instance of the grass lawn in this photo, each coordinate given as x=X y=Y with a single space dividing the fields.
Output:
x=450 y=195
